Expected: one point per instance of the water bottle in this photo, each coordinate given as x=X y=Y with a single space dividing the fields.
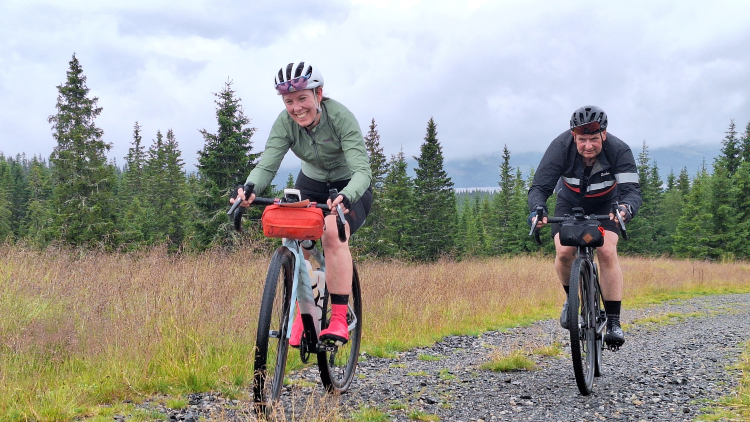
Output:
x=316 y=290
x=319 y=278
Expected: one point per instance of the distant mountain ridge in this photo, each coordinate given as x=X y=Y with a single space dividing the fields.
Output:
x=484 y=171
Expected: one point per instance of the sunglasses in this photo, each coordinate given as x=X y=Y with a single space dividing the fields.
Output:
x=293 y=85
x=587 y=129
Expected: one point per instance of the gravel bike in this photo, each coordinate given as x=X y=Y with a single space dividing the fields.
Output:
x=586 y=314
x=288 y=282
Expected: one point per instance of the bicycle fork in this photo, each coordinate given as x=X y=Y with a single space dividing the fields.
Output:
x=302 y=295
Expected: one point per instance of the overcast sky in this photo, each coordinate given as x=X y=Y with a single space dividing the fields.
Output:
x=489 y=72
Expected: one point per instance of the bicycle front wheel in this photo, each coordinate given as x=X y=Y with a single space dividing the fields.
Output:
x=582 y=326
x=601 y=321
x=271 y=344
x=338 y=363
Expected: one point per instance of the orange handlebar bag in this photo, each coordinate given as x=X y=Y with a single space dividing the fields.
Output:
x=292 y=223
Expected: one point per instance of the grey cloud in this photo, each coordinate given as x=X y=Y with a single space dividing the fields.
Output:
x=246 y=23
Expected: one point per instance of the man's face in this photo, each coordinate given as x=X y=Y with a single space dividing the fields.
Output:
x=589 y=146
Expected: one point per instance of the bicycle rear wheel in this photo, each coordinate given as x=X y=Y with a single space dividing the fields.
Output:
x=271 y=344
x=582 y=326
x=338 y=363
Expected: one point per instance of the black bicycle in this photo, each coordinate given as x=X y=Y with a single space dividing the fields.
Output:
x=586 y=314
x=287 y=283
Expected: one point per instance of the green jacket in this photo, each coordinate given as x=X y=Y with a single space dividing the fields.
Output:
x=334 y=150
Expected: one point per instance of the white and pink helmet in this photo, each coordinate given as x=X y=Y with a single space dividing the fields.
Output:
x=296 y=77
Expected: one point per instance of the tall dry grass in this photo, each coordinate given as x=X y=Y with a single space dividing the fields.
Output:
x=77 y=330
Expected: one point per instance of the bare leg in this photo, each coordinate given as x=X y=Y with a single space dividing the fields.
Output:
x=338 y=259
x=610 y=273
x=563 y=260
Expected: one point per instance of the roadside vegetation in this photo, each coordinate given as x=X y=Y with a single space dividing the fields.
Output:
x=80 y=330
x=735 y=407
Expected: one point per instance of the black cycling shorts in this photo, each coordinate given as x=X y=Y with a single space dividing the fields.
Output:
x=318 y=192
x=562 y=207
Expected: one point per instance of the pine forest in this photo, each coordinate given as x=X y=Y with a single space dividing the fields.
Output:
x=78 y=198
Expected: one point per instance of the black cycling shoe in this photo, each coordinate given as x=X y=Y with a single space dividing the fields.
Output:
x=564 y=316
x=614 y=337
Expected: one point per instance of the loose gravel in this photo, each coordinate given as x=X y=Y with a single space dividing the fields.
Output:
x=676 y=361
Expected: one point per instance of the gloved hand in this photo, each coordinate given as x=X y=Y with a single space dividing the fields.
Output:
x=628 y=210
x=533 y=214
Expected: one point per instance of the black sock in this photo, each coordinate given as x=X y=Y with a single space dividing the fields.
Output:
x=339 y=299
x=567 y=290
x=612 y=308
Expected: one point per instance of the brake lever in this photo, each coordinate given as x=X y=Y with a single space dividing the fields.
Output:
x=236 y=210
x=340 y=219
x=534 y=230
x=616 y=211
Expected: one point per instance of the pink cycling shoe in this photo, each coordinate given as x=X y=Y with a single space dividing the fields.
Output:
x=296 y=338
x=338 y=329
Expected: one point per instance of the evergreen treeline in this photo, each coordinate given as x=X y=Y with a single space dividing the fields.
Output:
x=77 y=197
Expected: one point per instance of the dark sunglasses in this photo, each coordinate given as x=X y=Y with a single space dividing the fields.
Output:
x=587 y=129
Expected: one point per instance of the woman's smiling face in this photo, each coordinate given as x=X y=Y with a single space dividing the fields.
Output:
x=302 y=106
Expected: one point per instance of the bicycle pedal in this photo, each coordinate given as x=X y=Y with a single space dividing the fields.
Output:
x=273 y=333
x=613 y=347
x=329 y=346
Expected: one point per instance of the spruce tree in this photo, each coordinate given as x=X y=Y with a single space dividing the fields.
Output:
x=745 y=145
x=692 y=236
x=131 y=195
x=398 y=210
x=6 y=205
x=225 y=160
x=378 y=162
x=683 y=182
x=436 y=200
x=738 y=242
x=500 y=228
x=723 y=208
x=165 y=192
x=132 y=176
x=469 y=242
x=647 y=230
x=730 y=150
x=483 y=215
x=39 y=218
x=519 y=241
x=83 y=180
x=671 y=181
x=370 y=237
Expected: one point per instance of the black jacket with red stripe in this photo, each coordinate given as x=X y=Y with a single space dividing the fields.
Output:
x=614 y=176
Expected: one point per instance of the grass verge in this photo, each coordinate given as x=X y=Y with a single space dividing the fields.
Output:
x=735 y=407
x=81 y=330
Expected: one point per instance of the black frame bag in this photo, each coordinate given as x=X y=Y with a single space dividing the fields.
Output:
x=588 y=233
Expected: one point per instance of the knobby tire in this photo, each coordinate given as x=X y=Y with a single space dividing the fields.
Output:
x=582 y=326
x=337 y=367
x=601 y=319
x=271 y=349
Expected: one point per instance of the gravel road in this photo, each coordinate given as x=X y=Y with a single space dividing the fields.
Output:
x=668 y=370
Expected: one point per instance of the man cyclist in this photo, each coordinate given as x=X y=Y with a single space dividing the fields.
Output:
x=326 y=136
x=589 y=168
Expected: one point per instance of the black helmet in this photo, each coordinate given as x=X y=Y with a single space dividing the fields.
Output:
x=585 y=116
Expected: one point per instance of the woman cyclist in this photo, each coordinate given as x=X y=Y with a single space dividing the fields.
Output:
x=326 y=136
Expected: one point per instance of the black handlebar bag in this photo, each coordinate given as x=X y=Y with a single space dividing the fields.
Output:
x=578 y=233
